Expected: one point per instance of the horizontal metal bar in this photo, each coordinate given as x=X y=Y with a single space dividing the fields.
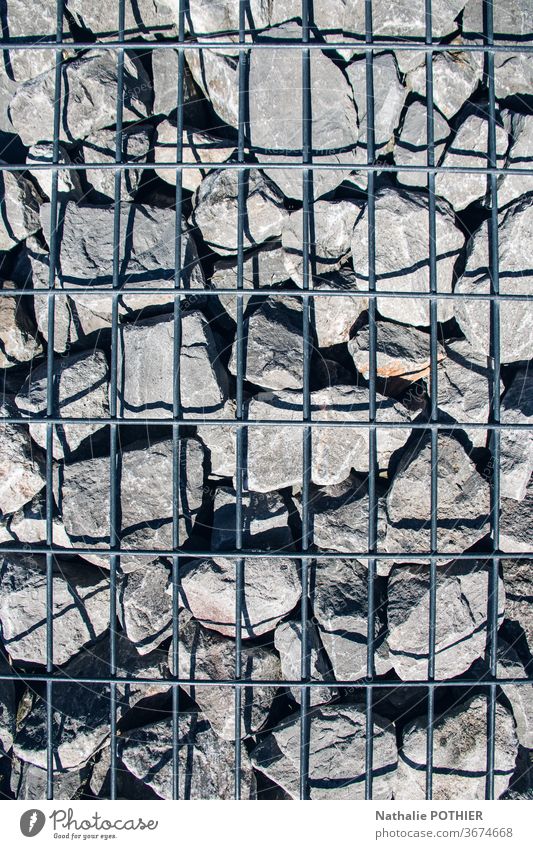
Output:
x=191 y=294
x=234 y=46
x=238 y=423
x=407 y=557
x=262 y=166
x=267 y=682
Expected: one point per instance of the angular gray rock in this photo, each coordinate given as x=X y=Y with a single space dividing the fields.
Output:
x=519 y=695
x=389 y=96
x=30 y=782
x=411 y=145
x=22 y=464
x=264 y=517
x=335 y=315
x=516 y=447
x=218 y=77
x=215 y=210
x=144 y=499
x=515 y=227
x=220 y=440
x=273 y=344
x=147 y=19
x=91 y=82
x=165 y=85
x=402 y=264
x=146 y=607
x=80 y=608
x=459 y=753
x=331 y=229
x=271 y=589
x=400 y=351
x=520 y=129
x=8 y=708
x=464 y=387
x=206 y=762
x=68 y=182
x=463 y=506
x=262 y=268
x=288 y=642
x=28 y=524
x=18 y=342
x=19 y=208
x=519 y=596
x=29 y=20
x=100 y=148
x=82 y=711
x=340 y=604
x=276 y=108
x=81 y=387
x=405 y=18
x=516 y=521
x=203 y=148
x=456 y=75
x=274 y=456
x=469 y=149
x=204 y=654
x=461 y=617
x=146 y=384
x=336 y=754
x=339 y=516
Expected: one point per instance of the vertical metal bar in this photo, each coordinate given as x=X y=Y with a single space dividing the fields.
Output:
x=239 y=563
x=114 y=536
x=307 y=176
x=488 y=28
x=372 y=459
x=50 y=403
x=433 y=317
x=176 y=407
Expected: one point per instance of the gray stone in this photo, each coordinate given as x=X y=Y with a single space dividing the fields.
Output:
x=147 y=259
x=516 y=447
x=519 y=695
x=288 y=642
x=336 y=754
x=332 y=224
x=30 y=782
x=100 y=148
x=276 y=81
x=273 y=344
x=274 y=457
x=146 y=19
x=146 y=607
x=459 y=753
x=340 y=604
x=515 y=229
x=197 y=146
x=464 y=386
x=516 y=522
x=28 y=524
x=206 y=762
x=204 y=654
x=271 y=589
x=146 y=384
x=339 y=518
x=335 y=315
x=456 y=75
x=264 y=521
x=8 y=708
x=221 y=440
x=400 y=351
x=463 y=506
x=81 y=711
x=165 y=69
x=18 y=343
x=81 y=387
x=411 y=146
x=389 y=96
x=513 y=22
x=461 y=627
x=80 y=608
x=68 y=182
x=519 y=596
x=520 y=129
x=31 y=21
x=19 y=208
x=91 y=82
x=21 y=463
x=468 y=149
x=144 y=499
x=223 y=16
x=261 y=269
x=217 y=76
x=402 y=253
x=215 y=210
x=405 y=18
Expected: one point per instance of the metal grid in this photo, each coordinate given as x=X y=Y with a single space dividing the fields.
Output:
x=307 y=167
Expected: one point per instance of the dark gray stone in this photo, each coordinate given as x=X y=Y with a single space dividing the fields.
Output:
x=516 y=447
x=146 y=606
x=100 y=148
x=18 y=342
x=30 y=782
x=68 y=182
x=288 y=642
x=19 y=208
x=335 y=315
x=516 y=521
x=262 y=268
x=456 y=75
x=22 y=464
x=264 y=521
x=519 y=596
x=519 y=695
x=8 y=708
x=400 y=351
x=520 y=129
x=389 y=96
x=411 y=146
x=200 y=147
x=146 y=19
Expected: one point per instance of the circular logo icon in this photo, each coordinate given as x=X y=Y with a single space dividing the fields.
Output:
x=32 y=822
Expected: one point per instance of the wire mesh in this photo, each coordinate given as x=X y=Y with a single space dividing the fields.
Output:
x=308 y=167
